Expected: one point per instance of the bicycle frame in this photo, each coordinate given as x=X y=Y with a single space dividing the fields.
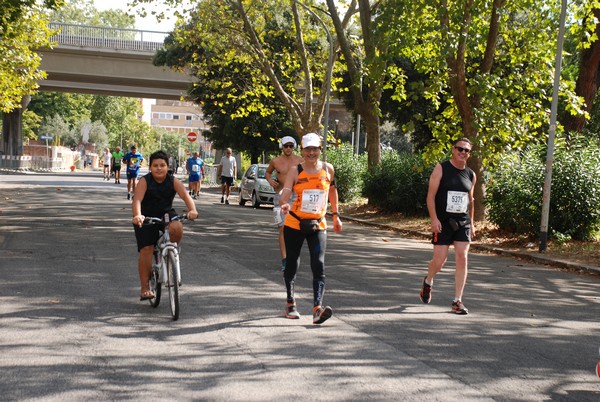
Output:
x=166 y=268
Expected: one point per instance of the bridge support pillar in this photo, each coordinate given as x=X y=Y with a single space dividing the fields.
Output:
x=12 y=129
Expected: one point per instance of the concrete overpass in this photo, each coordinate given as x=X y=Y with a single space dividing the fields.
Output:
x=109 y=61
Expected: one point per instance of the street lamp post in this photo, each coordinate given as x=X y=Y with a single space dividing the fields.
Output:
x=550 y=151
x=328 y=77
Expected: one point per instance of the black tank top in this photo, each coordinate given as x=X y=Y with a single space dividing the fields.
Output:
x=159 y=196
x=453 y=179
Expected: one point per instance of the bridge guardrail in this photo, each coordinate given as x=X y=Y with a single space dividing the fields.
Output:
x=109 y=38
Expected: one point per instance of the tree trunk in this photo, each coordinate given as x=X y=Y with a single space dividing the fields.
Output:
x=371 y=122
x=587 y=82
x=12 y=129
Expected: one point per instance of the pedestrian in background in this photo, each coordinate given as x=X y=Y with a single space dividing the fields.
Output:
x=451 y=207
x=195 y=169
x=106 y=158
x=281 y=165
x=117 y=157
x=227 y=170
x=313 y=181
x=133 y=161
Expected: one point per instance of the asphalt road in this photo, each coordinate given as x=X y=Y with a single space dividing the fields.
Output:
x=72 y=326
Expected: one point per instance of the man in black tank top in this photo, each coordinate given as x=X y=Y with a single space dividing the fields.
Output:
x=450 y=205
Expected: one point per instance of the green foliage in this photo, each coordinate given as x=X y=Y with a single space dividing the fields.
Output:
x=507 y=81
x=56 y=127
x=514 y=192
x=349 y=171
x=399 y=183
x=31 y=122
x=256 y=64
x=514 y=196
x=23 y=28
x=85 y=13
x=73 y=108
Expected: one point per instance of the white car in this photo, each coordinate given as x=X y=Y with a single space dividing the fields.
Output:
x=254 y=187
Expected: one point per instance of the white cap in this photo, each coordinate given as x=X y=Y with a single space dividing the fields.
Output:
x=311 y=140
x=286 y=140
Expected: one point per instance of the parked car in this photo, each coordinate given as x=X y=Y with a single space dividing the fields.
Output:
x=254 y=187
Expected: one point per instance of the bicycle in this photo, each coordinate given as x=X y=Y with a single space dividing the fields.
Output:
x=165 y=265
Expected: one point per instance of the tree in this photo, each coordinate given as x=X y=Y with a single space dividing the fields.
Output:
x=73 y=108
x=586 y=37
x=488 y=68
x=85 y=13
x=368 y=66
x=56 y=127
x=23 y=28
x=234 y=121
x=279 y=42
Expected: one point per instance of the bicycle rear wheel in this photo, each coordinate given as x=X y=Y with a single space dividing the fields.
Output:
x=172 y=283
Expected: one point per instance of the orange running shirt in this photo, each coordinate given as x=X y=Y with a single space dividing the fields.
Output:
x=311 y=203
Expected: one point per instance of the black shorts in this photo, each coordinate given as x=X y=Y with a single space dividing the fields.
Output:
x=148 y=235
x=227 y=180
x=449 y=235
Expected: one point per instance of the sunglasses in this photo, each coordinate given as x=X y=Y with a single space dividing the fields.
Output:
x=461 y=149
x=288 y=146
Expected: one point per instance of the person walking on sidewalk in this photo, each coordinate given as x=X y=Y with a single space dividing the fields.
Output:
x=281 y=165
x=227 y=170
x=154 y=197
x=133 y=160
x=451 y=207
x=314 y=184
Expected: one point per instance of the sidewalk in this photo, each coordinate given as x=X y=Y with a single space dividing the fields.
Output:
x=538 y=258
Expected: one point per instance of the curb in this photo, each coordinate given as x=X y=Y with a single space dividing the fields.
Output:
x=542 y=259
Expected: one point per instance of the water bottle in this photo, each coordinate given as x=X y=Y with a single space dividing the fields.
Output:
x=277 y=215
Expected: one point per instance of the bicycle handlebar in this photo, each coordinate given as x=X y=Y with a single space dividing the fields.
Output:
x=151 y=220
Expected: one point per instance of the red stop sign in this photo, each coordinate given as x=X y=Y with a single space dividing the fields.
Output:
x=192 y=136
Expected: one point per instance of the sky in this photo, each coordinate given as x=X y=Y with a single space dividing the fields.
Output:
x=148 y=24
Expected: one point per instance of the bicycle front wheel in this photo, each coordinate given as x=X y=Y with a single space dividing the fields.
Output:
x=172 y=283
x=155 y=287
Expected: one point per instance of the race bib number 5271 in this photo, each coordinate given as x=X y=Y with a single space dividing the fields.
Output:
x=457 y=202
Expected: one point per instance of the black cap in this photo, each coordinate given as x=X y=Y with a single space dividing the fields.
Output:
x=133 y=147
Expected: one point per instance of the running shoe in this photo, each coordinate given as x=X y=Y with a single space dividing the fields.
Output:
x=459 y=308
x=291 y=311
x=128 y=196
x=321 y=314
x=222 y=200
x=227 y=201
x=425 y=292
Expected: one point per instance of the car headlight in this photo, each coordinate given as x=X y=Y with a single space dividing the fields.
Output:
x=265 y=188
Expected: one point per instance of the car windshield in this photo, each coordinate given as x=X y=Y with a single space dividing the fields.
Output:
x=262 y=170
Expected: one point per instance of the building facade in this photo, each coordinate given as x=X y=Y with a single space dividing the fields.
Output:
x=183 y=117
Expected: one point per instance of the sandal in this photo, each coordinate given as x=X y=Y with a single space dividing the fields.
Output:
x=146 y=295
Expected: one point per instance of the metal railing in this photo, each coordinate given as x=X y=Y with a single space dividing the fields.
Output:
x=107 y=38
